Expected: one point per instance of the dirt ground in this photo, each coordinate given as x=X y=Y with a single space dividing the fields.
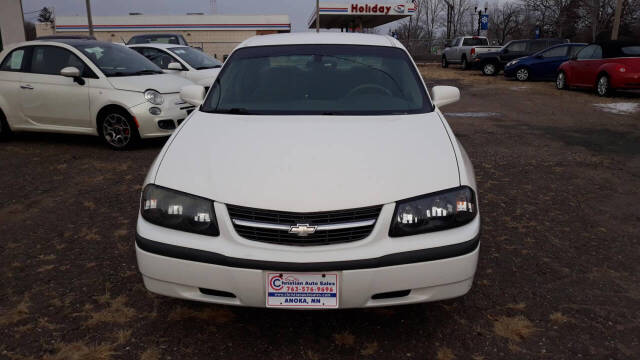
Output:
x=558 y=278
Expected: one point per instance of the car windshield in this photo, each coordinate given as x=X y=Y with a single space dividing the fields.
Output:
x=196 y=58
x=118 y=60
x=318 y=79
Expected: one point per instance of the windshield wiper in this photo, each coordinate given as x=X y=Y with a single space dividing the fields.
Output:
x=235 y=110
x=207 y=67
x=145 y=72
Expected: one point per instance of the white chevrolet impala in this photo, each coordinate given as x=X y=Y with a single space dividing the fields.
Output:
x=88 y=87
x=316 y=173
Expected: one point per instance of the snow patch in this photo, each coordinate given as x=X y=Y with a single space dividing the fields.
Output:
x=473 y=114
x=622 y=108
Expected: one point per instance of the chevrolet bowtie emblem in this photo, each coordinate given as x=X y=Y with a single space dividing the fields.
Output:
x=302 y=229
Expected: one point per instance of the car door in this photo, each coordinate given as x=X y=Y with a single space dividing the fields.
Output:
x=547 y=62
x=583 y=66
x=11 y=72
x=51 y=100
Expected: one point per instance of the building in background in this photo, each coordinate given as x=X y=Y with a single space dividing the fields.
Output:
x=11 y=22
x=217 y=35
x=358 y=16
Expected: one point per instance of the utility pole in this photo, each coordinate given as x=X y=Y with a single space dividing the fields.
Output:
x=317 y=16
x=89 y=19
x=595 y=11
x=616 y=21
x=449 y=18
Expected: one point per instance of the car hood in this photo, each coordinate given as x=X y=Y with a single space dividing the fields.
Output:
x=163 y=83
x=309 y=163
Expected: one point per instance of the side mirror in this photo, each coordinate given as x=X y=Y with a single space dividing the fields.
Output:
x=70 y=71
x=193 y=94
x=174 y=66
x=73 y=72
x=445 y=95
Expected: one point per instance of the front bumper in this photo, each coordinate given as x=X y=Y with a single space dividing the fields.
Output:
x=174 y=111
x=232 y=270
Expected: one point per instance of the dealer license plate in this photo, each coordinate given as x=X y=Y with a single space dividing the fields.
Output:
x=302 y=290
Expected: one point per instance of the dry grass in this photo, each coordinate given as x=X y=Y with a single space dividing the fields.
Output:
x=514 y=328
x=150 y=354
x=445 y=354
x=344 y=339
x=216 y=314
x=15 y=314
x=116 y=312
x=369 y=349
x=123 y=336
x=558 y=318
x=518 y=306
x=81 y=351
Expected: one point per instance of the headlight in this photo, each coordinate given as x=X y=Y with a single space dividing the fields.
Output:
x=177 y=210
x=437 y=211
x=153 y=97
x=513 y=62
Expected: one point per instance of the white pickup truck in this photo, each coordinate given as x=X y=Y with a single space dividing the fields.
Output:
x=462 y=50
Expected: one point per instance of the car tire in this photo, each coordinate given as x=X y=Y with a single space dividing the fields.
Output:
x=489 y=69
x=445 y=63
x=118 y=130
x=522 y=74
x=603 y=86
x=5 y=130
x=465 y=64
x=561 y=81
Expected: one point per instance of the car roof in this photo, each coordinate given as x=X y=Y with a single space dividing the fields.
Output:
x=68 y=42
x=157 y=45
x=305 y=38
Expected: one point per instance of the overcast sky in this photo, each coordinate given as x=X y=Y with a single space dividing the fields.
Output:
x=298 y=10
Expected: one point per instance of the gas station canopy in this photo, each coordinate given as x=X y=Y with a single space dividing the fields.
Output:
x=360 y=14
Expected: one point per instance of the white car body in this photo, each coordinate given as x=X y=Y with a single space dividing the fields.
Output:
x=55 y=103
x=306 y=164
x=204 y=77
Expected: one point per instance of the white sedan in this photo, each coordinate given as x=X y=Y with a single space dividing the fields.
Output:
x=182 y=60
x=316 y=173
x=88 y=87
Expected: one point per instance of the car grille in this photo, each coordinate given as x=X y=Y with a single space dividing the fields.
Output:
x=273 y=226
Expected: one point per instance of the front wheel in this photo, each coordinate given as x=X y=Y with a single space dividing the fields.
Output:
x=603 y=87
x=445 y=63
x=118 y=130
x=465 y=64
x=561 y=81
x=522 y=74
x=489 y=69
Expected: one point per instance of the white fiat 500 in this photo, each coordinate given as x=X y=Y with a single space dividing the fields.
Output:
x=316 y=173
x=88 y=87
x=182 y=60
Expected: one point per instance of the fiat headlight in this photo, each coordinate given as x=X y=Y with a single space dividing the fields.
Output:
x=154 y=97
x=178 y=210
x=437 y=211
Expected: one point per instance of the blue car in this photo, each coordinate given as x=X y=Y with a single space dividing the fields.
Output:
x=542 y=65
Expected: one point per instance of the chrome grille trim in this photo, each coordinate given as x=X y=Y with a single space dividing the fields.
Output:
x=325 y=227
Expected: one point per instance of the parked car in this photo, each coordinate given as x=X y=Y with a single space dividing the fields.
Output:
x=463 y=50
x=87 y=87
x=605 y=67
x=175 y=39
x=542 y=65
x=491 y=63
x=277 y=192
x=184 y=61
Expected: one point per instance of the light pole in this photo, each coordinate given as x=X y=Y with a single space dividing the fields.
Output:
x=317 y=16
x=89 y=20
x=479 y=11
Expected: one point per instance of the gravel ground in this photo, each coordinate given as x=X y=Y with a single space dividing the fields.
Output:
x=558 y=278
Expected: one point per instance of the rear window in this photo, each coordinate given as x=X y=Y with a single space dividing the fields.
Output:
x=318 y=79
x=475 y=42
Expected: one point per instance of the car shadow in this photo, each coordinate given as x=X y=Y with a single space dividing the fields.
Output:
x=76 y=140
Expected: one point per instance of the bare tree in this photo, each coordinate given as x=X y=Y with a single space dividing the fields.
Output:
x=46 y=15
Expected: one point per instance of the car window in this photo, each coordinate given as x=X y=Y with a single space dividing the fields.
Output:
x=196 y=58
x=585 y=53
x=630 y=50
x=555 y=52
x=597 y=53
x=318 y=79
x=537 y=46
x=118 y=60
x=49 y=60
x=517 y=46
x=158 y=57
x=474 y=42
x=14 y=61
x=575 y=49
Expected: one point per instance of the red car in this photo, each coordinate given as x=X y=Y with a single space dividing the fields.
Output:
x=604 y=67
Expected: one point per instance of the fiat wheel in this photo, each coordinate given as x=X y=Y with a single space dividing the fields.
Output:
x=119 y=131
